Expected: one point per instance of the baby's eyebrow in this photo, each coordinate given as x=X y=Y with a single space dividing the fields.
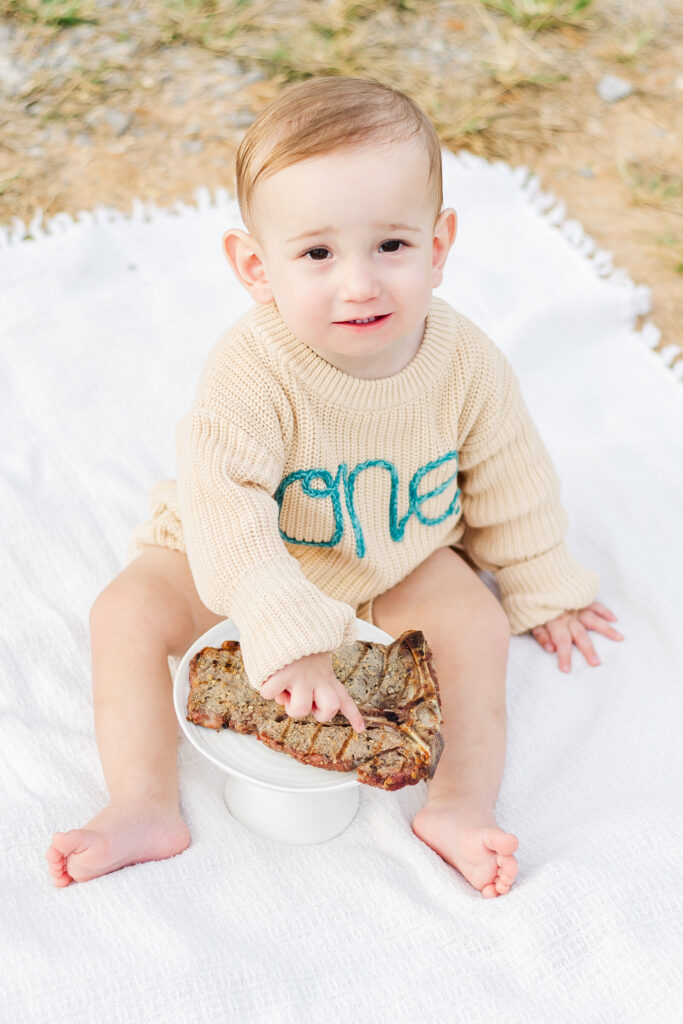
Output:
x=400 y=227
x=310 y=234
x=329 y=230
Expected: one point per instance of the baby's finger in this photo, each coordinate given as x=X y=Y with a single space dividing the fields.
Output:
x=562 y=638
x=350 y=711
x=325 y=702
x=299 y=704
x=324 y=712
x=584 y=643
x=541 y=634
x=592 y=621
x=271 y=687
x=601 y=609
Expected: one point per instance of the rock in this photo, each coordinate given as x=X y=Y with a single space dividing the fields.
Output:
x=242 y=118
x=120 y=52
x=12 y=78
x=228 y=66
x=225 y=88
x=116 y=120
x=254 y=75
x=81 y=34
x=611 y=88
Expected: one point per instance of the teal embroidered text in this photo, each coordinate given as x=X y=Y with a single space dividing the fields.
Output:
x=345 y=482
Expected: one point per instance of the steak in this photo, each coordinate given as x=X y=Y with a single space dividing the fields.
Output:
x=394 y=686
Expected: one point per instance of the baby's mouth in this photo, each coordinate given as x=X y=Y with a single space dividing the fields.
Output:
x=364 y=320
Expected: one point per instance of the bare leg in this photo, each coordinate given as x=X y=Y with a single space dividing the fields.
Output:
x=468 y=633
x=150 y=611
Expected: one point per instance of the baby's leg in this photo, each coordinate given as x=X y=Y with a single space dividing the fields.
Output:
x=150 y=611
x=468 y=633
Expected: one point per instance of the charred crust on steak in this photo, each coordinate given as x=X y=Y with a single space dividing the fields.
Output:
x=395 y=687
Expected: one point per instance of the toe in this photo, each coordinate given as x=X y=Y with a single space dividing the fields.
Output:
x=507 y=871
x=67 y=843
x=53 y=855
x=62 y=880
x=507 y=865
x=489 y=891
x=57 y=867
x=64 y=846
x=499 y=841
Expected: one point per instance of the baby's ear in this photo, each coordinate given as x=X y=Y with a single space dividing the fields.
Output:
x=444 y=235
x=245 y=258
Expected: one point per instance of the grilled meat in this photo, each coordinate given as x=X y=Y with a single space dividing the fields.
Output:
x=394 y=686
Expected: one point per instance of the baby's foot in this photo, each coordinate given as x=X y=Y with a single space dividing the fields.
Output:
x=472 y=842
x=121 y=834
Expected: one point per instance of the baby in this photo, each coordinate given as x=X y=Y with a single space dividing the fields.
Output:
x=356 y=447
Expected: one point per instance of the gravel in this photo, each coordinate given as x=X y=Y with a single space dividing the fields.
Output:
x=34 y=65
x=611 y=88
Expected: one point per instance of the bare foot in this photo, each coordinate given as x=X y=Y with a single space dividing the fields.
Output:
x=471 y=841
x=121 y=834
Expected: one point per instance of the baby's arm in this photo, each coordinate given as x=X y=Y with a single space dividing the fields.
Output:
x=572 y=628
x=227 y=478
x=310 y=684
x=515 y=524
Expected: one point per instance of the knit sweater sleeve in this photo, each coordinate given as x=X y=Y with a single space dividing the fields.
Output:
x=514 y=522
x=241 y=567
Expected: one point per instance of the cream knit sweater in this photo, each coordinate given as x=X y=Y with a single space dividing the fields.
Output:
x=304 y=492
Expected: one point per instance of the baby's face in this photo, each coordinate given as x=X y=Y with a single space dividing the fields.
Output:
x=351 y=252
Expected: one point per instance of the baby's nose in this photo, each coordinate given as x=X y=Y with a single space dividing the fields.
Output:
x=359 y=283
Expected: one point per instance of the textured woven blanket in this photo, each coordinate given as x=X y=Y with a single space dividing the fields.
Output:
x=105 y=322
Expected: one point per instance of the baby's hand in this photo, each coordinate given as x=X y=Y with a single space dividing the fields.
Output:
x=571 y=628
x=310 y=684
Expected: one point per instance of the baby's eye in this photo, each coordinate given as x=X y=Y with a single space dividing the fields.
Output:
x=392 y=245
x=318 y=254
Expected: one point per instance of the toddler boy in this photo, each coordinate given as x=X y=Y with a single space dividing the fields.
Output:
x=354 y=447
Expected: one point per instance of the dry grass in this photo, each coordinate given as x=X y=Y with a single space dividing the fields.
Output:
x=651 y=184
x=486 y=104
x=480 y=68
x=291 y=41
x=213 y=24
x=541 y=15
x=493 y=94
x=498 y=77
x=52 y=13
x=669 y=249
x=627 y=45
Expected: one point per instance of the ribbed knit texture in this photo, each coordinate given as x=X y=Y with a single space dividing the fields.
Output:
x=442 y=453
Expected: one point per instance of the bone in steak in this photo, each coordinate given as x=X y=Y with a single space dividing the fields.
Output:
x=394 y=686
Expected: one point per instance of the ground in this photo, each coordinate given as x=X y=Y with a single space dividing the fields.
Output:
x=102 y=101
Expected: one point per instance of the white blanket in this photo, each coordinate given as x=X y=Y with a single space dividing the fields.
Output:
x=105 y=323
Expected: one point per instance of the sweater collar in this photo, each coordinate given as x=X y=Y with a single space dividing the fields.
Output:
x=294 y=361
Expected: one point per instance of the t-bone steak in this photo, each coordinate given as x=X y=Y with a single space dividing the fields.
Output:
x=394 y=685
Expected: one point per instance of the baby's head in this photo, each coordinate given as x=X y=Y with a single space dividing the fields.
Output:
x=339 y=185
x=328 y=115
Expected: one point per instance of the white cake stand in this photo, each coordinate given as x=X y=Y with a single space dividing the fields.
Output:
x=267 y=791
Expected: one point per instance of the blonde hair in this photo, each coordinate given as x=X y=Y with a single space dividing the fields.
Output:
x=322 y=115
